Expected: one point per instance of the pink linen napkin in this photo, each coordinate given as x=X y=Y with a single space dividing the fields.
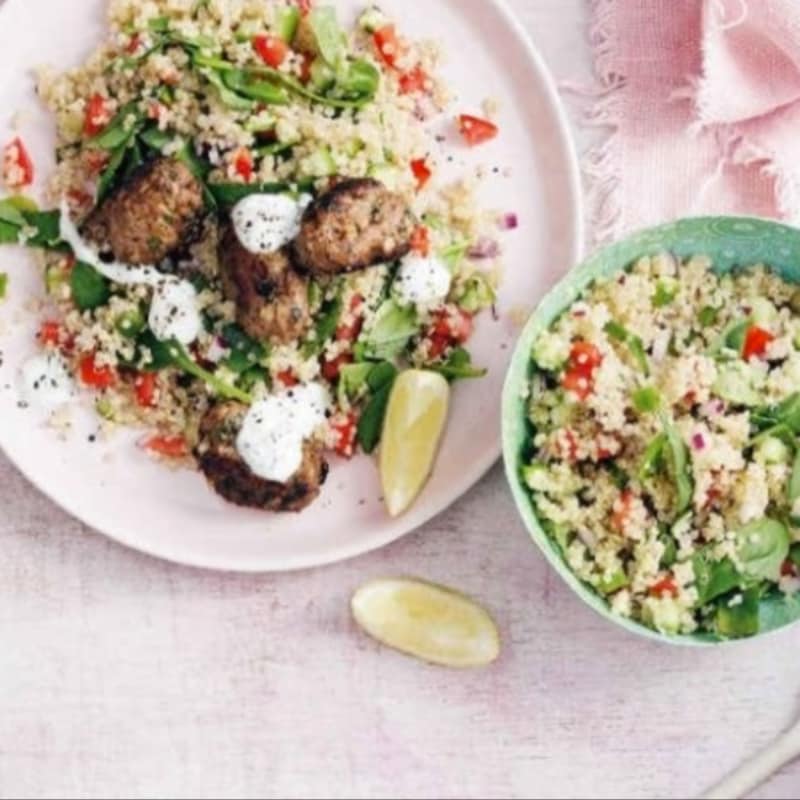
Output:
x=702 y=98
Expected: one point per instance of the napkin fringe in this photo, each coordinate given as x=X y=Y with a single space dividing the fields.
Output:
x=603 y=109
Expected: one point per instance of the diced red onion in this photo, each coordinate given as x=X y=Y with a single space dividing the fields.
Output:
x=484 y=248
x=508 y=222
x=699 y=441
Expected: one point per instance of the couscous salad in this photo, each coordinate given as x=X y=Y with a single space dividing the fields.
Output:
x=665 y=458
x=251 y=240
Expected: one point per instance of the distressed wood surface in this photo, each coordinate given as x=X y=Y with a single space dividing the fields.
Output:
x=122 y=676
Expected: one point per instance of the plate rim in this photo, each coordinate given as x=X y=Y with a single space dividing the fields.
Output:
x=471 y=476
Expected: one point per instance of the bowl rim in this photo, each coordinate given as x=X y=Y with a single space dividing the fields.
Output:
x=514 y=420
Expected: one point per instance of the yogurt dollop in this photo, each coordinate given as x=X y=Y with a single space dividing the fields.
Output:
x=45 y=382
x=265 y=223
x=174 y=313
x=422 y=280
x=273 y=433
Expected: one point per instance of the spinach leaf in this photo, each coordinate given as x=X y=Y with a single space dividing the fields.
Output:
x=246 y=85
x=679 y=466
x=352 y=380
x=246 y=352
x=119 y=131
x=360 y=79
x=370 y=426
x=763 y=547
x=330 y=37
x=458 y=367
x=89 y=288
x=714 y=578
x=393 y=328
x=226 y=95
x=173 y=354
x=41 y=229
x=741 y=619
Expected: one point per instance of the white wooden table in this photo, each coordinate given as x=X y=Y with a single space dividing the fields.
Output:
x=122 y=676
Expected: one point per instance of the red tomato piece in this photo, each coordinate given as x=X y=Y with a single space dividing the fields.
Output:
x=50 y=334
x=414 y=81
x=350 y=332
x=167 y=446
x=454 y=323
x=272 y=49
x=146 y=388
x=133 y=44
x=577 y=382
x=665 y=587
x=95 y=376
x=243 y=164
x=585 y=356
x=388 y=44
x=421 y=241
x=476 y=130
x=756 y=343
x=788 y=569
x=18 y=171
x=422 y=172
x=622 y=511
x=97 y=115
x=288 y=379
x=332 y=369
x=345 y=427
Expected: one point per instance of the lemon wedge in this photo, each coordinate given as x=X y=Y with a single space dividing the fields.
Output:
x=415 y=420
x=430 y=622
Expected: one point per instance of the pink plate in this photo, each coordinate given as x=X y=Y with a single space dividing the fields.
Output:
x=111 y=486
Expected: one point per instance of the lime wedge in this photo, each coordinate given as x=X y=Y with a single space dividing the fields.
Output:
x=430 y=622
x=415 y=421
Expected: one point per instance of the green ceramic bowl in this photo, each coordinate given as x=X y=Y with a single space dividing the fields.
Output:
x=731 y=242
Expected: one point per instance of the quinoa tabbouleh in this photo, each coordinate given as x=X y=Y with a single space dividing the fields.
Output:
x=665 y=459
x=252 y=237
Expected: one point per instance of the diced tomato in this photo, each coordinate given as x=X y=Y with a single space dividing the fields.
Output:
x=167 y=446
x=243 y=164
x=305 y=67
x=97 y=115
x=155 y=110
x=585 y=356
x=50 y=334
x=413 y=81
x=95 y=376
x=288 y=379
x=438 y=345
x=454 y=323
x=351 y=331
x=622 y=511
x=756 y=343
x=604 y=454
x=272 y=49
x=476 y=130
x=422 y=172
x=18 y=169
x=665 y=587
x=305 y=6
x=788 y=570
x=344 y=428
x=146 y=387
x=332 y=369
x=96 y=160
x=388 y=45
x=133 y=44
x=421 y=240
x=577 y=382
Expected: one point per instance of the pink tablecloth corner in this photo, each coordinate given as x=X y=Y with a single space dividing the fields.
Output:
x=701 y=99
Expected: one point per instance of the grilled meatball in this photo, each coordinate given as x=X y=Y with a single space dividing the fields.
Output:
x=150 y=216
x=357 y=224
x=271 y=298
x=231 y=478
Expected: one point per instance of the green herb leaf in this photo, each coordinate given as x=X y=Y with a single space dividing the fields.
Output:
x=634 y=343
x=246 y=85
x=360 y=80
x=708 y=316
x=286 y=21
x=89 y=288
x=10 y=213
x=458 y=366
x=3 y=285
x=666 y=292
x=679 y=466
x=392 y=329
x=653 y=457
x=370 y=426
x=246 y=352
x=330 y=37
x=119 y=131
x=763 y=546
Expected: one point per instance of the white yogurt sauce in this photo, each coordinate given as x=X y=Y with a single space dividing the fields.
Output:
x=422 y=281
x=173 y=314
x=265 y=223
x=274 y=430
x=45 y=382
